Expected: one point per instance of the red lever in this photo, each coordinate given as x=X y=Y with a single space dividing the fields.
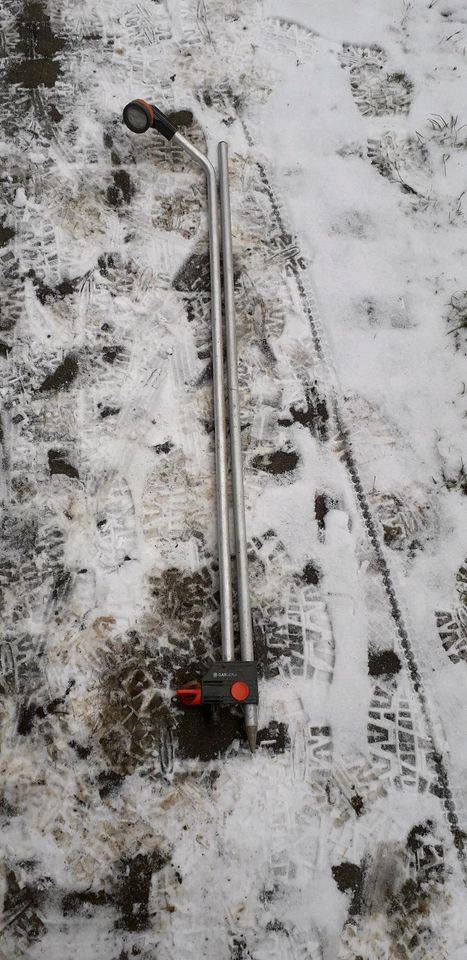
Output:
x=190 y=696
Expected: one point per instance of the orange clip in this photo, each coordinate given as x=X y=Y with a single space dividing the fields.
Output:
x=190 y=696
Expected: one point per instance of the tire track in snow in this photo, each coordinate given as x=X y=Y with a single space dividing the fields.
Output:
x=369 y=524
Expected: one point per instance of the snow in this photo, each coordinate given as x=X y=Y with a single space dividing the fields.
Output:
x=129 y=827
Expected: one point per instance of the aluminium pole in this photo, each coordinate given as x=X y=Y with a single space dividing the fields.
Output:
x=220 y=430
x=238 y=498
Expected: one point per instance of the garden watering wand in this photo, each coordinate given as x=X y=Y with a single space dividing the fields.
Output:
x=228 y=682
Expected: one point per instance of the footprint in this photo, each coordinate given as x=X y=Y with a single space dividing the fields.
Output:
x=135 y=725
x=372 y=311
x=452 y=625
x=457 y=320
x=177 y=502
x=401 y=160
x=408 y=521
x=146 y=24
x=114 y=522
x=375 y=89
x=402 y=882
x=178 y=212
x=285 y=36
x=408 y=516
x=299 y=638
x=39 y=247
x=312 y=755
x=397 y=746
x=33 y=574
x=21 y=917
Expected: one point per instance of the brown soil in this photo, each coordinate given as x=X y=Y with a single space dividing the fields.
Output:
x=278 y=462
x=63 y=375
x=58 y=464
x=122 y=190
x=384 y=662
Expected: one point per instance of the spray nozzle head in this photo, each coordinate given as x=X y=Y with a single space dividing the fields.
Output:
x=138 y=116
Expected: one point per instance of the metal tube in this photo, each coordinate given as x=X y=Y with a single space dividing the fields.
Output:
x=220 y=430
x=238 y=499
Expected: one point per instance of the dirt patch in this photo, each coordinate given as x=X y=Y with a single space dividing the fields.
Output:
x=183 y=600
x=222 y=97
x=58 y=464
x=63 y=376
x=20 y=909
x=55 y=114
x=263 y=629
x=310 y=574
x=6 y=234
x=163 y=447
x=133 y=888
x=29 y=712
x=83 y=752
x=349 y=879
x=84 y=902
x=313 y=415
x=206 y=733
x=36 y=33
x=238 y=949
x=61 y=587
x=195 y=274
x=133 y=713
x=323 y=503
x=278 y=462
x=34 y=73
x=427 y=853
x=206 y=376
x=356 y=801
x=122 y=190
x=113 y=353
x=108 y=411
x=38 y=46
x=108 y=262
x=274 y=737
x=47 y=294
x=181 y=118
x=109 y=783
x=383 y=662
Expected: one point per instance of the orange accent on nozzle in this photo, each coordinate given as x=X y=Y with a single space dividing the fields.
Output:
x=148 y=108
x=239 y=690
x=190 y=696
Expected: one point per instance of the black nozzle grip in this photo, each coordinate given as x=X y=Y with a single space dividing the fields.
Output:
x=163 y=124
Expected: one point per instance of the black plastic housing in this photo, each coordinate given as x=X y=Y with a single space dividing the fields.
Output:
x=217 y=682
x=163 y=124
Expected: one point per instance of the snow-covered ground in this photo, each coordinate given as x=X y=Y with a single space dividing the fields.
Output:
x=129 y=827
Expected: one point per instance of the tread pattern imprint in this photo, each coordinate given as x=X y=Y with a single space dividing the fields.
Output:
x=131 y=828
